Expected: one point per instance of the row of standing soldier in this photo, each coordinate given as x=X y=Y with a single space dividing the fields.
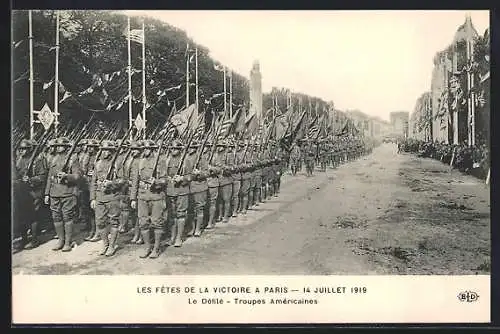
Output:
x=146 y=185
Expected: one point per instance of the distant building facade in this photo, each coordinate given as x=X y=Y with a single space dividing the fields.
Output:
x=399 y=122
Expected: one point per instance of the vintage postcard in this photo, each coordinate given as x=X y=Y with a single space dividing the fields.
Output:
x=205 y=167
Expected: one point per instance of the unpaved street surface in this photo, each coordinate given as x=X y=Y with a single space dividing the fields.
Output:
x=382 y=214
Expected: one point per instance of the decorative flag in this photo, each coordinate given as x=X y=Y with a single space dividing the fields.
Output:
x=17 y=43
x=47 y=85
x=219 y=67
x=65 y=96
x=136 y=35
x=46 y=116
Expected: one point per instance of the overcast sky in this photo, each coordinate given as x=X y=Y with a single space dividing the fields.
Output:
x=374 y=61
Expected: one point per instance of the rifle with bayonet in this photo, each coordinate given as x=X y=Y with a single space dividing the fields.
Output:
x=75 y=144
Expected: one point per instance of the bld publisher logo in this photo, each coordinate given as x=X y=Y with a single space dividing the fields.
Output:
x=468 y=296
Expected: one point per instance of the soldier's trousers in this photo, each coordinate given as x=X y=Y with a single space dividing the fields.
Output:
x=212 y=195
x=151 y=214
x=107 y=214
x=84 y=205
x=224 y=206
x=63 y=209
x=257 y=193
x=235 y=197
x=244 y=193
x=179 y=205
x=294 y=164
x=251 y=191
x=125 y=215
x=197 y=202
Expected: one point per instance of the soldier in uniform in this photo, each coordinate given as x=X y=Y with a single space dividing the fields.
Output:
x=32 y=184
x=147 y=195
x=130 y=165
x=177 y=191
x=323 y=155
x=294 y=158
x=245 y=163
x=61 y=193
x=125 y=199
x=87 y=163
x=212 y=183
x=225 y=182
x=105 y=198
x=256 y=193
x=233 y=151
x=310 y=157
x=198 y=188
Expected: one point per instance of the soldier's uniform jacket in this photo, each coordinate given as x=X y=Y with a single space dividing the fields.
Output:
x=122 y=172
x=141 y=188
x=212 y=181
x=196 y=185
x=246 y=171
x=220 y=161
x=295 y=153
x=128 y=169
x=232 y=162
x=87 y=165
x=97 y=187
x=170 y=164
x=56 y=189
x=39 y=171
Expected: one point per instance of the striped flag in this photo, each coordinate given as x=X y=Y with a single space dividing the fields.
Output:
x=136 y=35
x=225 y=128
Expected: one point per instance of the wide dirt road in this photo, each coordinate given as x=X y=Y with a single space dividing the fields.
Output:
x=383 y=214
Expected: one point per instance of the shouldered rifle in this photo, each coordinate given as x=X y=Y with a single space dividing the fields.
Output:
x=181 y=162
x=117 y=153
x=158 y=153
x=37 y=150
x=200 y=152
x=75 y=144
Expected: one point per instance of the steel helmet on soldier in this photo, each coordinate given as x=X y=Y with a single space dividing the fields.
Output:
x=135 y=145
x=26 y=143
x=176 y=144
x=108 y=145
x=62 y=141
x=148 y=143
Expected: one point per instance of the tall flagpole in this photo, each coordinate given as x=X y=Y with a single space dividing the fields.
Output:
x=130 y=116
x=231 y=94
x=56 y=79
x=144 y=80
x=196 y=69
x=187 y=75
x=225 y=90
x=32 y=133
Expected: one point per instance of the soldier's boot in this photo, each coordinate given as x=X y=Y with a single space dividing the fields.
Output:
x=124 y=216
x=97 y=235
x=93 y=230
x=227 y=213
x=244 y=203
x=34 y=237
x=146 y=236
x=104 y=233
x=180 y=222
x=137 y=233
x=68 y=236
x=211 y=217
x=198 y=224
x=59 y=227
x=155 y=253
x=235 y=202
x=113 y=239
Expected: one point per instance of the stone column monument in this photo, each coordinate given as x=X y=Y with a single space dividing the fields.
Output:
x=256 y=90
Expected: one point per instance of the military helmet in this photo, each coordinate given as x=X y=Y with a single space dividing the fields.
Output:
x=194 y=144
x=108 y=145
x=51 y=142
x=126 y=143
x=136 y=145
x=26 y=143
x=83 y=142
x=176 y=144
x=148 y=143
x=209 y=144
x=241 y=144
x=93 y=143
x=62 y=141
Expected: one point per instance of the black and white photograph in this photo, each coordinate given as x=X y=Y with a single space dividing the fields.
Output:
x=309 y=143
